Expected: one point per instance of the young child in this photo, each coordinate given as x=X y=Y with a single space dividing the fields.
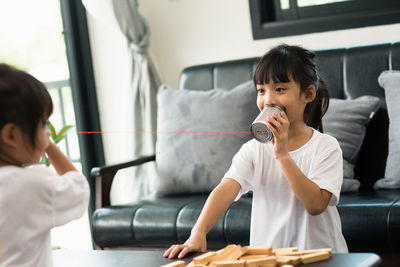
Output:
x=33 y=199
x=296 y=178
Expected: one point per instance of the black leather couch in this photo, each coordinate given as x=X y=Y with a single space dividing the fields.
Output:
x=370 y=219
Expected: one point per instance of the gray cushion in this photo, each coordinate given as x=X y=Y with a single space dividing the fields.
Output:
x=346 y=120
x=390 y=82
x=195 y=126
x=199 y=132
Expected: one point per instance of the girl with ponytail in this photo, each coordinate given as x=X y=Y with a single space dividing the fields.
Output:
x=296 y=178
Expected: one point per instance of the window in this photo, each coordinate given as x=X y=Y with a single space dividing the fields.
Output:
x=35 y=44
x=34 y=37
x=271 y=18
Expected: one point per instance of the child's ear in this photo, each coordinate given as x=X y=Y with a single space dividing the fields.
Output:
x=10 y=134
x=310 y=93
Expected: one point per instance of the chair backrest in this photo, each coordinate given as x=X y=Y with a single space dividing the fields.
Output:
x=350 y=72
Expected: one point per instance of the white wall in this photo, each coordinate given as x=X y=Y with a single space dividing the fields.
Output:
x=185 y=33
x=189 y=32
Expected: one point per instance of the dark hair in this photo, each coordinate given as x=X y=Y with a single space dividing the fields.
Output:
x=23 y=100
x=285 y=61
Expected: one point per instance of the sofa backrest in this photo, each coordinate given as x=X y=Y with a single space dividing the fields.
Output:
x=350 y=72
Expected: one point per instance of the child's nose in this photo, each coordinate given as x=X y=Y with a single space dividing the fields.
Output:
x=269 y=100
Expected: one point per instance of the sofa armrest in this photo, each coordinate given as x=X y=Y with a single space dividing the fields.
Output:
x=104 y=177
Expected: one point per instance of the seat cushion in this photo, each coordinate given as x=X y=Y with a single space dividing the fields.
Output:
x=369 y=218
x=166 y=221
x=370 y=222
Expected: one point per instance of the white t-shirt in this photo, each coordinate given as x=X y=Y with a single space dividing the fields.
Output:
x=278 y=218
x=32 y=201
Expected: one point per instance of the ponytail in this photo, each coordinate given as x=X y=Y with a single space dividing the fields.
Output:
x=316 y=109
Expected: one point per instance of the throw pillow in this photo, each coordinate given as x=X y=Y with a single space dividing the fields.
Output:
x=346 y=120
x=390 y=82
x=194 y=127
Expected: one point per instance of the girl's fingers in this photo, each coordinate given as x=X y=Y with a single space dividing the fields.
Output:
x=183 y=253
x=272 y=129
x=277 y=124
x=168 y=251
x=273 y=123
x=175 y=251
x=278 y=120
x=283 y=119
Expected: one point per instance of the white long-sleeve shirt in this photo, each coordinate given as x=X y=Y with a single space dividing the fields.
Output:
x=33 y=200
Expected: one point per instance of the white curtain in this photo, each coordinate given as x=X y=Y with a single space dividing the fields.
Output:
x=144 y=84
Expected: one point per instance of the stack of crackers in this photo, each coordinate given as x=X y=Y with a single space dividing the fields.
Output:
x=256 y=256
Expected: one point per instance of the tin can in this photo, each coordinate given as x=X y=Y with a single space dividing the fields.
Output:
x=259 y=128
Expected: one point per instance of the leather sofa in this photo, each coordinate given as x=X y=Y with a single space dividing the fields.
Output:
x=370 y=218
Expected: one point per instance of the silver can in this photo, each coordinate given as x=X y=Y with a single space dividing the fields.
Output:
x=259 y=128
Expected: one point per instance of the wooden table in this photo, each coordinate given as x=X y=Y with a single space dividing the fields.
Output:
x=147 y=258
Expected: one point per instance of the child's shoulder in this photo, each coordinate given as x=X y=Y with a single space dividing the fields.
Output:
x=254 y=148
x=253 y=145
x=325 y=140
x=28 y=175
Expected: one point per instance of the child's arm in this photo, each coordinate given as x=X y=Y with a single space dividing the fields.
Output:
x=312 y=197
x=217 y=203
x=59 y=161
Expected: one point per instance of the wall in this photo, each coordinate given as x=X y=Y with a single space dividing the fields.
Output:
x=185 y=33
x=190 y=32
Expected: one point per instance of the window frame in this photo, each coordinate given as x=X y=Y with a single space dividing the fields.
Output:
x=269 y=20
x=83 y=89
